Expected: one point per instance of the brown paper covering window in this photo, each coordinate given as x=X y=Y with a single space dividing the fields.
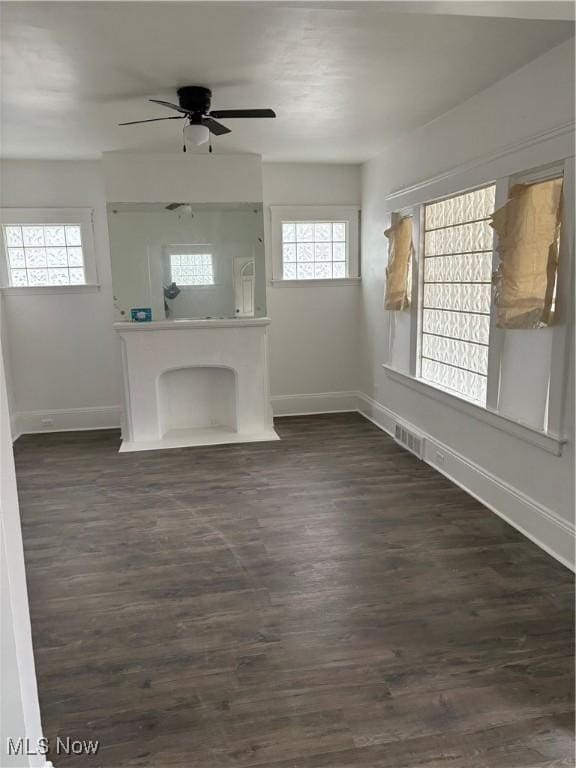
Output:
x=528 y=229
x=399 y=255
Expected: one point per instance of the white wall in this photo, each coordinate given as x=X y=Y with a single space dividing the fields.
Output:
x=537 y=98
x=314 y=332
x=62 y=348
x=326 y=343
x=20 y=712
x=187 y=178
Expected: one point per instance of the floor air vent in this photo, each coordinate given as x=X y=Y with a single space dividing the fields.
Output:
x=414 y=443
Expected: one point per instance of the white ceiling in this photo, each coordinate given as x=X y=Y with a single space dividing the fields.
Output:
x=344 y=79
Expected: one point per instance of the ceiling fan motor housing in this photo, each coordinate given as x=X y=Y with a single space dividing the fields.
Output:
x=196 y=100
x=194 y=106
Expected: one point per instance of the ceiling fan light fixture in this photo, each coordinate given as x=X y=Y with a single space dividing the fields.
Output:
x=195 y=134
x=199 y=120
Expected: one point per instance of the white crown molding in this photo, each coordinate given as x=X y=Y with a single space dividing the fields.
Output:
x=508 y=149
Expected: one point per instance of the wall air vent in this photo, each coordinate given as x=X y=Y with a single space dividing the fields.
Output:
x=413 y=442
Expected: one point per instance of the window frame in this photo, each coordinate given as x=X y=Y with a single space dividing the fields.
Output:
x=170 y=250
x=550 y=437
x=420 y=255
x=314 y=213
x=83 y=217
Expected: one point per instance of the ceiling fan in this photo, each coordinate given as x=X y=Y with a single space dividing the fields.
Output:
x=194 y=107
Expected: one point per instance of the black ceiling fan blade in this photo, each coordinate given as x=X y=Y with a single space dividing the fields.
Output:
x=170 y=106
x=224 y=113
x=154 y=120
x=214 y=127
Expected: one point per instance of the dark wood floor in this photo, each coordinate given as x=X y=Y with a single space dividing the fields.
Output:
x=326 y=601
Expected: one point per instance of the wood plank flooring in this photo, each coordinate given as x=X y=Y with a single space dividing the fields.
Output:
x=326 y=601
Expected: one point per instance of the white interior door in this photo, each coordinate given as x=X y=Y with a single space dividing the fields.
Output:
x=244 y=275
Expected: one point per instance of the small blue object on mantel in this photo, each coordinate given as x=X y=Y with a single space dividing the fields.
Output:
x=141 y=314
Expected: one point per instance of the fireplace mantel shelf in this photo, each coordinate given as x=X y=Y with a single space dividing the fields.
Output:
x=182 y=325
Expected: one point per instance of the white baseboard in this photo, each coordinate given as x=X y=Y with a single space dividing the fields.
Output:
x=15 y=427
x=70 y=419
x=543 y=526
x=321 y=402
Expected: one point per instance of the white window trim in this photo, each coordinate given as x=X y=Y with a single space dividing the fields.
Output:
x=82 y=216
x=42 y=290
x=170 y=250
x=549 y=442
x=419 y=215
x=327 y=282
x=348 y=213
x=495 y=350
x=550 y=439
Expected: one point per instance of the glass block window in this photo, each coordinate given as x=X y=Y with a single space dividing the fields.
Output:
x=458 y=243
x=42 y=254
x=314 y=250
x=192 y=269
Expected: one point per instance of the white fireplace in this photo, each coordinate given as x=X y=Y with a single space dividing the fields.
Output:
x=195 y=382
